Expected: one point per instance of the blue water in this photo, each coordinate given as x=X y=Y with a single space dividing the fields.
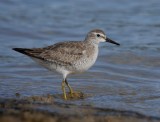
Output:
x=125 y=77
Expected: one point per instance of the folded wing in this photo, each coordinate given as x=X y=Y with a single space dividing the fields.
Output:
x=61 y=53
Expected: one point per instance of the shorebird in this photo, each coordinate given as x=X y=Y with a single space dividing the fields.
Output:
x=69 y=57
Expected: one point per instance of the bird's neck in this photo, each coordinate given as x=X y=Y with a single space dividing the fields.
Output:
x=91 y=42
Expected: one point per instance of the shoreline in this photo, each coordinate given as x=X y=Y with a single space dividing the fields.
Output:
x=44 y=108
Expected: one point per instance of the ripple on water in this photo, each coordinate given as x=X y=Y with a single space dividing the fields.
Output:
x=124 y=77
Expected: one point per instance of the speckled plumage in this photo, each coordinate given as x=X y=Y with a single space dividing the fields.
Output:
x=68 y=57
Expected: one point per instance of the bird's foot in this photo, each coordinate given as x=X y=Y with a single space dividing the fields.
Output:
x=75 y=95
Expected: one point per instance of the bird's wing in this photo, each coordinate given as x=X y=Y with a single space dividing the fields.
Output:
x=64 y=53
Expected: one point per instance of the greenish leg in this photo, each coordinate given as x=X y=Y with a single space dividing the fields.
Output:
x=63 y=89
x=70 y=89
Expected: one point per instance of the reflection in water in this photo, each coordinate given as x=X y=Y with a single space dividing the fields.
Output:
x=125 y=78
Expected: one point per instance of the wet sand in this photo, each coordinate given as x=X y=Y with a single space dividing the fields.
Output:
x=46 y=109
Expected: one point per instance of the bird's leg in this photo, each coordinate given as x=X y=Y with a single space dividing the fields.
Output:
x=70 y=89
x=63 y=89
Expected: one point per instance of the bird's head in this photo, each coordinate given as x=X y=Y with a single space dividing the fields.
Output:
x=96 y=36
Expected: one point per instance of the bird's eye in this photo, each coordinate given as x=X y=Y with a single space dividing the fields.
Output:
x=98 y=35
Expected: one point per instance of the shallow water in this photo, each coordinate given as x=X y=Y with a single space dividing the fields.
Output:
x=124 y=77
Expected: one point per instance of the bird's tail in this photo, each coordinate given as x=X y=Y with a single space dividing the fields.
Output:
x=22 y=50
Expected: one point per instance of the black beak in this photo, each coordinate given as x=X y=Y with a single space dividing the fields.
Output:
x=111 y=41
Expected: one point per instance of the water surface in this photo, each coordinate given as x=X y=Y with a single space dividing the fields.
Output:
x=125 y=77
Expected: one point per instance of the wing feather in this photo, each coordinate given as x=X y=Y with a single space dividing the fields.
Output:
x=61 y=53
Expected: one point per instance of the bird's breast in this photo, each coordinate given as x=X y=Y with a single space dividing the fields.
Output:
x=87 y=60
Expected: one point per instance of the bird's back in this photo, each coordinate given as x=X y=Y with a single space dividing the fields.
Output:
x=61 y=53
